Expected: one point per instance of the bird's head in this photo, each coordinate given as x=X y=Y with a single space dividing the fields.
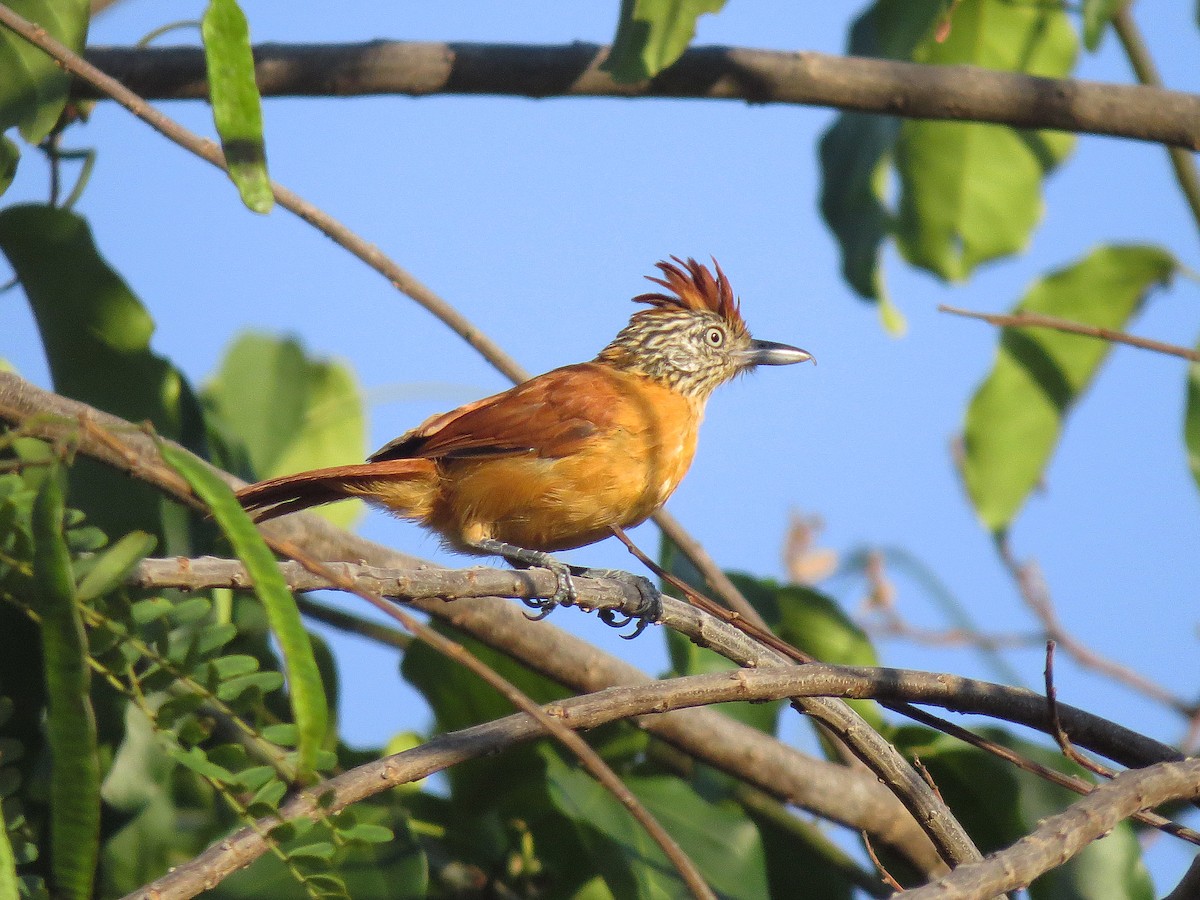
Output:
x=693 y=338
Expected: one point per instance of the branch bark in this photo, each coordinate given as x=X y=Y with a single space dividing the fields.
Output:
x=912 y=90
x=1060 y=837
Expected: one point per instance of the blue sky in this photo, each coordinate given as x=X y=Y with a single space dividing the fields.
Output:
x=538 y=220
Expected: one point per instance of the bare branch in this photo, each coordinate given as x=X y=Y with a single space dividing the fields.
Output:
x=714 y=73
x=1182 y=162
x=1033 y=590
x=1038 y=320
x=634 y=703
x=1060 y=837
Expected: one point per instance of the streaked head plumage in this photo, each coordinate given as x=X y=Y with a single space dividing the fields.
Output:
x=693 y=338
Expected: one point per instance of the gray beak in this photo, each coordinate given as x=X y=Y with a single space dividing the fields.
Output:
x=768 y=353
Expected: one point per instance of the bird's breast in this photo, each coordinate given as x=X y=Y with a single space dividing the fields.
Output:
x=619 y=475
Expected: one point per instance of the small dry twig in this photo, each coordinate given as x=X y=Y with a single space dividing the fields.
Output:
x=1040 y=320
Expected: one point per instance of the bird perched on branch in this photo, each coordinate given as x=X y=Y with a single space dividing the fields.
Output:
x=556 y=461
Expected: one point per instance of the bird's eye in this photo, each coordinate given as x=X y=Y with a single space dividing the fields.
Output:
x=715 y=337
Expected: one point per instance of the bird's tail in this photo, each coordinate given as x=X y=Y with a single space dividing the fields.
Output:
x=404 y=486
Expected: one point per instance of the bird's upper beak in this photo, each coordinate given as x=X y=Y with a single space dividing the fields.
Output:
x=768 y=353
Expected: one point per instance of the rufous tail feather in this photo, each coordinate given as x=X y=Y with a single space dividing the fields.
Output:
x=291 y=493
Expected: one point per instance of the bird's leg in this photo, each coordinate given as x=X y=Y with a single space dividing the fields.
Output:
x=649 y=609
x=564 y=591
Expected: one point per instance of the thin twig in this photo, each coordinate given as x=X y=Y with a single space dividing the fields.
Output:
x=1038 y=320
x=1182 y=161
x=889 y=87
x=880 y=867
x=1070 y=782
x=1033 y=591
x=1060 y=837
x=1060 y=734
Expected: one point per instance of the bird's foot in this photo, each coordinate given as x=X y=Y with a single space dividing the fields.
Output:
x=564 y=589
x=649 y=608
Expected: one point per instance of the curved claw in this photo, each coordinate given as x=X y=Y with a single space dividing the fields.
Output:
x=616 y=619
x=564 y=595
x=649 y=608
x=544 y=607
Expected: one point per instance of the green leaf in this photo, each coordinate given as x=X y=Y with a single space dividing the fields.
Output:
x=193 y=758
x=33 y=87
x=1015 y=418
x=459 y=698
x=689 y=659
x=719 y=838
x=971 y=192
x=307 y=695
x=816 y=624
x=96 y=334
x=8 y=865
x=652 y=34
x=855 y=154
x=110 y=569
x=292 y=412
x=236 y=105
x=70 y=719
x=1096 y=16
x=1191 y=421
x=10 y=156
x=998 y=804
x=967 y=192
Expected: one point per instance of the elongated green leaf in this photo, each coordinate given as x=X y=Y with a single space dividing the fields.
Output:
x=1191 y=421
x=70 y=719
x=652 y=34
x=33 y=87
x=856 y=152
x=110 y=569
x=9 y=884
x=237 y=107
x=719 y=838
x=289 y=411
x=309 y=708
x=9 y=157
x=1015 y=418
x=96 y=334
x=971 y=192
x=1096 y=16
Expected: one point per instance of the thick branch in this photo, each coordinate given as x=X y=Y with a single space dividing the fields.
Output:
x=964 y=695
x=716 y=73
x=1058 y=838
x=440 y=753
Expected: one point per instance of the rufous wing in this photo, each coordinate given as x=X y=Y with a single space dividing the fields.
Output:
x=550 y=416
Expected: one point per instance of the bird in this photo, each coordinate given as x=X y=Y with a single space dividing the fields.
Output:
x=556 y=461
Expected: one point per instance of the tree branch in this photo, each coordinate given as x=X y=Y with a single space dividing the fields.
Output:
x=1040 y=320
x=1062 y=836
x=715 y=73
x=634 y=703
x=852 y=797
